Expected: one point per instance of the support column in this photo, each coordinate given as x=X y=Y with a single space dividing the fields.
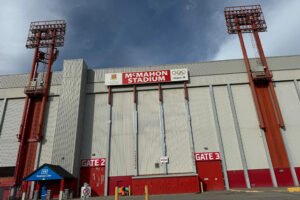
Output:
x=24 y=190
x=162 y=129
x=2 y=114
x=297 y=88
x=189 y=125
x=36 y=191
x=290 y=158
x=272 y=173
x=108 y=142
x=239 y=136
x=219 y=136
x=135 y=130
x=61 y=189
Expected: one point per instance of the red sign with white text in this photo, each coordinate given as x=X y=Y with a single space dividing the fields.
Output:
x=146 y=77
x=205 y=156
x=95 y=162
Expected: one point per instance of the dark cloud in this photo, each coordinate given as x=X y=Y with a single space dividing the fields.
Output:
x=115 y=33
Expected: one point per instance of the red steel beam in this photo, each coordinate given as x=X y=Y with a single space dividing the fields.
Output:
x=160 y=96
x=46 y=90
x=22 y=135
x=252 y=86
x=186 y=95
x=109 y=95
x=268 y=73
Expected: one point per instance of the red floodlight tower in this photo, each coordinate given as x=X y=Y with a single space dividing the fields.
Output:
x=250 y=19
x=47 y=35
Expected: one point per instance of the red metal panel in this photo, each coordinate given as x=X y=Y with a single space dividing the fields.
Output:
x=5 y=195
x=54 y=186
x=166 y=185
x=95 y=177
x=210 y=173
x=236 y=179
x=33 y=135
x=284 y=177
x=260 y=178
x=298 y=172
x=273 y=135
x=6 y=181
x=118 y=181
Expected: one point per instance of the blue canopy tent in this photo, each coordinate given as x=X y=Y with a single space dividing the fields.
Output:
x=52 y=177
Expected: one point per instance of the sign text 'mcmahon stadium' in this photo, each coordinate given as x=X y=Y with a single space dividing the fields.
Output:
x=146 y=77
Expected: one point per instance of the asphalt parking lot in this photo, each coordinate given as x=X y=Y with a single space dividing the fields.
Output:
x=280 y=194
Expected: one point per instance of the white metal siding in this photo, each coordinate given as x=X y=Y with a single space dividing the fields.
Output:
x=95 y=126
x=290 y=108
x=11 y=126
x=122 y=155
x=149 y=136
x=49 y=130
x=178 y=147
x=231 y=148
x=66 y=150
x=204 y=131
x=249 y=127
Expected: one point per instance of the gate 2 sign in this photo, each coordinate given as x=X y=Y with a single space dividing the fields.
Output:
x=96 y=162
x=146 y=77
x=205 y=156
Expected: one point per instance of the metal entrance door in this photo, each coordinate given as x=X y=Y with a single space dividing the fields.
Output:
x=95 y=177
x=210 y=174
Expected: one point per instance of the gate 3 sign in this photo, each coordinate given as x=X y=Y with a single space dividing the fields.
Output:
x=146 y=77
x=96 y=162
x=205 y=156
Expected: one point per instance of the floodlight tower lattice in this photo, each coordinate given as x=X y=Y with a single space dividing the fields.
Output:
x=250 y=19
x=47 y=35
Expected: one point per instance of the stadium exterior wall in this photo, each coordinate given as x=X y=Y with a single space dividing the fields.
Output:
x=219 y=116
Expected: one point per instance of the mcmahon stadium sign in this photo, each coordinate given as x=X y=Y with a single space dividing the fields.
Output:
x=146 y=77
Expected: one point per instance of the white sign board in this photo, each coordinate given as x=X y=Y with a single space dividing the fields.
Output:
x=85 y=191
x=164 y=159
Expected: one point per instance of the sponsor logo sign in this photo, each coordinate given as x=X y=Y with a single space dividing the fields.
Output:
x=205 y=156
x=146 y=77
x=95 y=162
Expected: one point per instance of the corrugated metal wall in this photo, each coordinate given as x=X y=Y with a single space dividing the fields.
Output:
x=178 y=151
x=11 y=126
x=231 y=148
x=49 y=130
x=290 y=108
x=204 y=131
x=149 y=136
x=122 y=155
x=95 y=127
x=249 y=127
x=66 y=146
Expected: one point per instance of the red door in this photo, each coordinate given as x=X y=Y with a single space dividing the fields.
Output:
x=95 y=177
x=210 y=174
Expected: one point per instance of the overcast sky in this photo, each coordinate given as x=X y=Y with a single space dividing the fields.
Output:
x=116 y=33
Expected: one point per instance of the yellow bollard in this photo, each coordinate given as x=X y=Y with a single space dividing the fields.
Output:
x=129 y=190
x=201 y=187
x=146 y=193
x=116 y=193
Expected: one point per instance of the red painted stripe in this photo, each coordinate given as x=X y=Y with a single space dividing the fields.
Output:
x=260 y=178
x=166 y=185
x=118 y=181
x=284 y=177
x=298 y=172
x=236 y=179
